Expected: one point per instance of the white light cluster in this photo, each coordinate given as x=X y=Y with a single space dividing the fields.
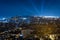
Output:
x=24 y=18
x=50 y=17
x=2 y=18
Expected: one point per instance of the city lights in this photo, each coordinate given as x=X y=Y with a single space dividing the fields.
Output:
x=50 y=16
x=29 y=19
x=24 y=18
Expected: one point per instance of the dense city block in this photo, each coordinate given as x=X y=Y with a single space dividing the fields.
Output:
x=30 y=28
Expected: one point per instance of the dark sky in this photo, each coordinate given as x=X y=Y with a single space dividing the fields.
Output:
x=29 y=7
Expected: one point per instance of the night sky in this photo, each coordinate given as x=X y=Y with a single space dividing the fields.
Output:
x=29 y=8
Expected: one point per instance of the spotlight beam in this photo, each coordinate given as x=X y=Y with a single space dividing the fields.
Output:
x=37 y=11
x=42 y=6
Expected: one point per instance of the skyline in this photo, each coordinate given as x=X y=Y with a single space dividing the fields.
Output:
x=10 y=8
